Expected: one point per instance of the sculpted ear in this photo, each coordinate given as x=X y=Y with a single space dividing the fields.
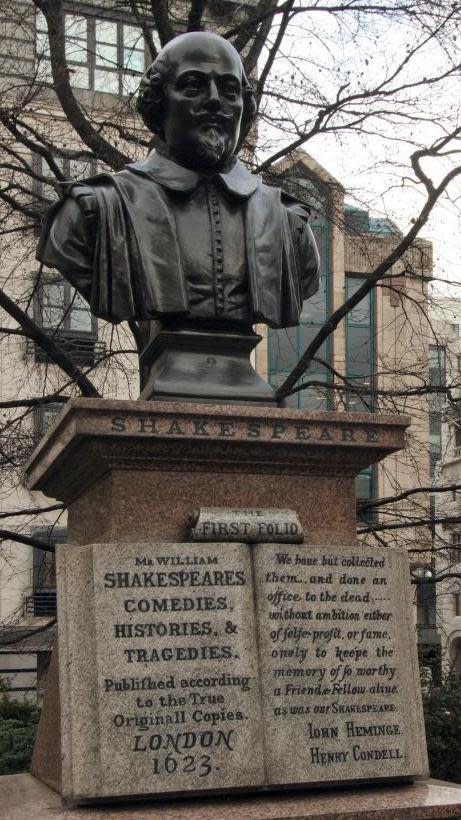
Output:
x=151 y=101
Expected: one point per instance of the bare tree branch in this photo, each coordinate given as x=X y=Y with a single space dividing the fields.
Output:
x=32 y=511
x=38 y=543
x=56 y=353
x=159 y=9
x=54 y=14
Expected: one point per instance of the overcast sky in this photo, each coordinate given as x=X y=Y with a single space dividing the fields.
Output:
x=375 y=167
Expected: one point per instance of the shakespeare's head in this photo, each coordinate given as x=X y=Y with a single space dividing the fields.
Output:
x=197 y=98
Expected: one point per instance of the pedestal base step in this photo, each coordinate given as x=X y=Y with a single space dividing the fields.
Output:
x=22 y=797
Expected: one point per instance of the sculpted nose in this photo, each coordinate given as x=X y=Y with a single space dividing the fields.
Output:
x=213 y=99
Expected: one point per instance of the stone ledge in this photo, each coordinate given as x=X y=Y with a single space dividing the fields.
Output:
x=22 y=797
x=93 y=436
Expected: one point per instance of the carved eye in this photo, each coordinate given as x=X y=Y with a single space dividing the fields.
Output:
x=191 y=84
x=230 y=89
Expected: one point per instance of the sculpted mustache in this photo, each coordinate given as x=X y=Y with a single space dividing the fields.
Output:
x=207 y=115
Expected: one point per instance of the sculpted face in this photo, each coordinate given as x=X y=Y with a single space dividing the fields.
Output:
x=203 y=101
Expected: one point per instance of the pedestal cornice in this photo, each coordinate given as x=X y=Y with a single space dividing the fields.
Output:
x=93 y=436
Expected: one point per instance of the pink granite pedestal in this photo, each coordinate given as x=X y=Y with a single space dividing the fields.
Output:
x=134 y=471
x=22 y=797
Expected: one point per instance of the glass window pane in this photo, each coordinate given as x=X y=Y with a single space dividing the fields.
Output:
x=52 y=304
x=78 y=302
x=283 y=347
x=156 y=39
x=79 y=77
x=44 y=73
x=361 y=314
x=134 y=60
x=49 y=413
x=76 y=26
x=76 y=51
x=437 y=356
x=359 y=400
x=53 y=293
x=315 y=308
x=51 y=316
x=363 y=486
x=307 y=332
x=314 y=398
x=106 y=81
x=106 y=55
x=40 y=22
x=132 y=36
x=358 y=351
x=42 y=44
x=106 y=31
x=130 y=84
x=81 y=320
x=276 y=380
x=78 y=169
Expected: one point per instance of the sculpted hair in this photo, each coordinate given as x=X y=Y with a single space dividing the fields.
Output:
x=151 y=98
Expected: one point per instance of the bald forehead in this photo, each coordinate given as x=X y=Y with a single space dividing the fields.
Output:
x=203 y=50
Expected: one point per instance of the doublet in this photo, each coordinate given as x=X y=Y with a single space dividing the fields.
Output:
x=159 y=241
x=211 y=238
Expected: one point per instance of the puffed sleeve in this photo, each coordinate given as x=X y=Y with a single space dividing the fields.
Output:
x=307 y=251
x=68 y=238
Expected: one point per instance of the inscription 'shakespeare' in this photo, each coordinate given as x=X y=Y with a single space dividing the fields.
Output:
x=314 y=431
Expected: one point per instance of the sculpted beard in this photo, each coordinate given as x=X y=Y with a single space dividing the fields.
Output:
x=211 y=146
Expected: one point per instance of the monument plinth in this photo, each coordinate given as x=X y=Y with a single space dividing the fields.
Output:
x=136 y=470
x=189 y=667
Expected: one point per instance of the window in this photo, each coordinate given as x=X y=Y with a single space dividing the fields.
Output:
x=72 y=170
x=437 y=378
x=102 y=54
x=437 y=365
x=454 y=330
x=458 y=363
x=425 y=595
x=62 y=309
x=64 y=314
x=365 y=491
x=359 y=348
x=45 y=415
x=457 y=604
x=455 y=550
x=42 y=602
x=455 y=439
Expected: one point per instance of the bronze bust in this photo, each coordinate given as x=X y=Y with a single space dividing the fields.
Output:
x=188 y=243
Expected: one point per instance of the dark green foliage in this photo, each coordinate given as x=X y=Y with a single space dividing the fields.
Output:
x=442 y=713
x=18 y=726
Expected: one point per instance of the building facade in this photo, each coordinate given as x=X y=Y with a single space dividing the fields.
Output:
x=445 y=442
x=377 y=353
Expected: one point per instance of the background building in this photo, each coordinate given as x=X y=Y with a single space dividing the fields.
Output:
x=445 y=429
x=375 y=356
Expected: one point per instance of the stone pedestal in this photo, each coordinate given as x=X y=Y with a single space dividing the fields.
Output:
x=131 y=473
x=22 y=797
x=198 y=365
x=135 y=470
